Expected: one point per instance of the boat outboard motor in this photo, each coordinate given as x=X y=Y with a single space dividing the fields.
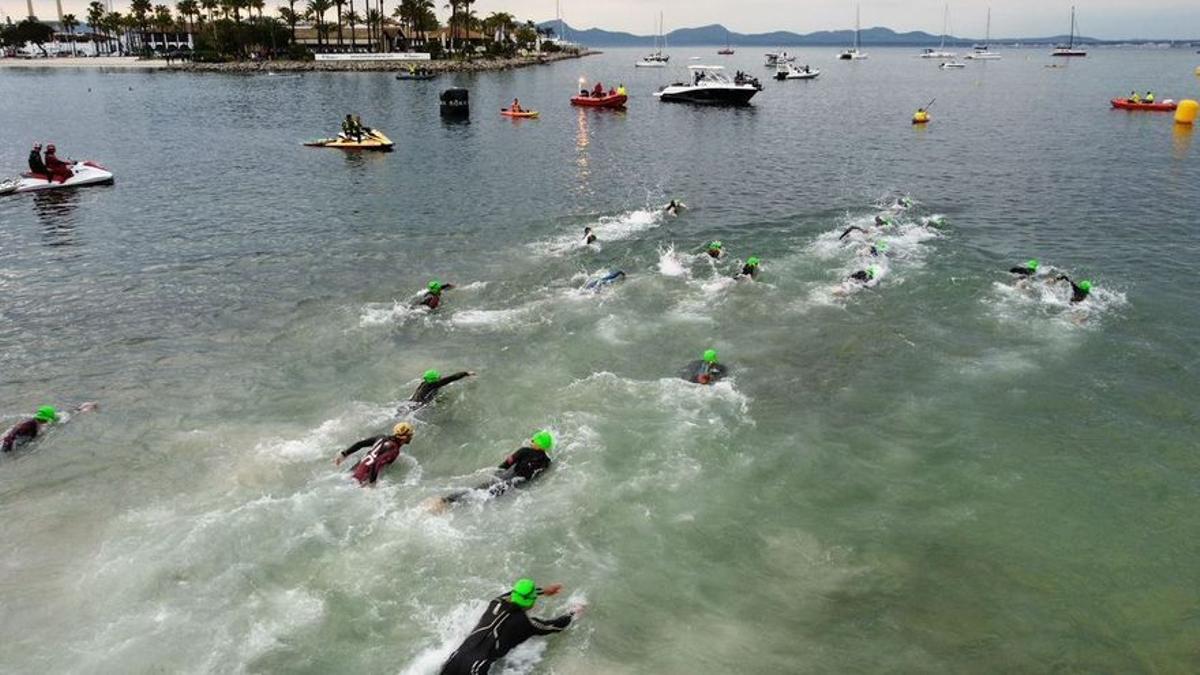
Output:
x=456 y=103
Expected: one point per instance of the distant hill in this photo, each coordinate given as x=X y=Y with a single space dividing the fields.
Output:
x=716 y=34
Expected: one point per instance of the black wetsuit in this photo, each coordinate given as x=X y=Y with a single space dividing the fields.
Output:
x=518 y=468
x=1023 y=271
x=702 y=372
x=36 y=165
x=606 y=280
x=749 y=271
x=589 y=238
x=427 y=390
x=862 y=275
x=1077 y=293
x=21 y=433
x=849 y=230
x=502 y=627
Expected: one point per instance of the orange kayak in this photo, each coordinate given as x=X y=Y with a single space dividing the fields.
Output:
x=522 y=114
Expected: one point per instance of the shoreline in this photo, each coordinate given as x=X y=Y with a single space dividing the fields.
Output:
x=440 y=67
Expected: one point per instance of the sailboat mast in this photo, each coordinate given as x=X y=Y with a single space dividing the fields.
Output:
x=987 y=39
x=857 y=25
x=945 y=20
x=1072 y=42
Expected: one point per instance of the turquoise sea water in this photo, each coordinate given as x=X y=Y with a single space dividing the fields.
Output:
x=941 y=473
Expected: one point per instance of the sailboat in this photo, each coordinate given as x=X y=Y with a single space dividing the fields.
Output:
x=940 y=52
x=853 y=54
x=656 y=59
x=728 y=51
x=1069 y=48
x=981 y=52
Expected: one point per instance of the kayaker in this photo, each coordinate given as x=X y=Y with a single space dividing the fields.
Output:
x=36 y=165
x=588 y=237
x=1079 y=291
x=431 y=382
x=750 y=269
x=433 y=294
x=384 y=451
x=1149 y=99
x=706 y=370
x=865 y=276
x=1029 y=269
x=55 y=167
x=1134 y=98
x=504 y=625
x=30 y=428
x=516 y=106
x=524 y=465
x=715 y=250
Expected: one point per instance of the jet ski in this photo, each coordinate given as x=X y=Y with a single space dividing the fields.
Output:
x=83 y=173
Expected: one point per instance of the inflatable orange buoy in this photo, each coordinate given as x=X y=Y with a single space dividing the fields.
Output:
x=1187 y=111
x=920 y=117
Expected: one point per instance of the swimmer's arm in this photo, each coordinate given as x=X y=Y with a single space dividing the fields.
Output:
x=365 y=443
x=454 y=378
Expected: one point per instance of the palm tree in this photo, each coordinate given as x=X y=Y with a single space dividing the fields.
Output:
x=316 y=11
x=452 y=24
x=188 y=9
x=290 y=17
x=69 y=24
x=95 y=20
x=210 y=6
x=353 y=19
x=258 y=5
x=114 y=25
x=338 y=5
x=375 y=21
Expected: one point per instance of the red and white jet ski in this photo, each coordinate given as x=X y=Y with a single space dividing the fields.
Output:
x=83 y=173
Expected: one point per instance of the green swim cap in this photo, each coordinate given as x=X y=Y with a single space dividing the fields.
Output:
x=1032 y=264
x=46 y=414
x=753 y=261
x=872 y=271
x=715 y=246
x=524 y=593
x=1085 y=286
x=431 y=376
x=543 y=441
x=435 y=287
x=881 y=245
x=710 y=356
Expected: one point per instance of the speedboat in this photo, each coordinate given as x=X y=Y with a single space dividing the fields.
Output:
x=655 y=60
x=709 y=85
x=776 y=58
x=851 y=55
x=417 y=75
x=373 y=139
x=83 y=173
x=788 y=71
x=950 y=65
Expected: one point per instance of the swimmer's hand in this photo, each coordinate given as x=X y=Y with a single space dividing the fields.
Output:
x=552 y=589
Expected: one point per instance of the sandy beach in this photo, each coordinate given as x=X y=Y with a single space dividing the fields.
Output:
x=128 y=62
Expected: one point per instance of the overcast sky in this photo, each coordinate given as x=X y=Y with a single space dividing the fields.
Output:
x=1111 y=19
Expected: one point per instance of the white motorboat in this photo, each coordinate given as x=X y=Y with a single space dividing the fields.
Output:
x=83 y=173
x=855 y=53
x=951 y=65
x=983 y=52
x=709 y=85
x=789 y=71
x=776 y=58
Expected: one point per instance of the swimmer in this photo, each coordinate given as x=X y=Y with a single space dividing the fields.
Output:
x=588 y=237
x=504 y=625
x=715 y=250
x=705 y=371
x=27 y=430
x=674 y=207
x=384 y=451
x=852 y=228
x=878 y=248
x=431 y=382
x=1079 y=291
x=884 y=221
x=521 y=467
x=865 y=276
x=433 y=294
x=903 y=203
x=607 y=280
x=1029 y=269
x=750 y=269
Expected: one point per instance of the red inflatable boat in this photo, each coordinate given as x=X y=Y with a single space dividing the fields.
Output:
x=1126 y=104
x=606 y=101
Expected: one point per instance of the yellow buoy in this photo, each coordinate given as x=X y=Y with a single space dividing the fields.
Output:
x=1187 y=111
x=1198 y=70
x=921 y=117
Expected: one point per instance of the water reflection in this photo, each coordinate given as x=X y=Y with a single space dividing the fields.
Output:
x=1181 y=140
x=582 y=141
x=56 y=211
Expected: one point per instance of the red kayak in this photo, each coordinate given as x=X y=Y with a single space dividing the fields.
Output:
x=607 y=101
x=1126 y=104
